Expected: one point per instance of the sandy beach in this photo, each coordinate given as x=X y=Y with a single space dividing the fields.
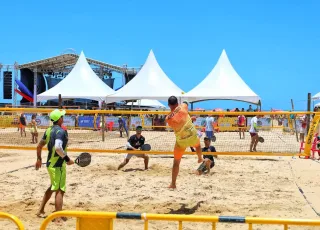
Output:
x=244 y=186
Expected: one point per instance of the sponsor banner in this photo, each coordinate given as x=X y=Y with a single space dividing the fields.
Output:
x=228 y=123
x=86 y=121
x=148 y=121
x=200 y=121
x=40 y=120
x=69 y=121
x=9 y=121
x=136 y=121
x=264 y=123
x=108 y=120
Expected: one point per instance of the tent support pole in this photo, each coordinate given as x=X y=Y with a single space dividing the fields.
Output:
x=35 y=75
x=191 y=106
x=129 y=128
x=59 y=101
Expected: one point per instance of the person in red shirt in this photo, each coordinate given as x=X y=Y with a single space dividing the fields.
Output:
x=242 y=125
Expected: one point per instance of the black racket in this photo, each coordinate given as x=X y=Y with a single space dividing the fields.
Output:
x=213 y=138
x=261 y=139
x=146 y=147
x=202 y=167
x=83 y=160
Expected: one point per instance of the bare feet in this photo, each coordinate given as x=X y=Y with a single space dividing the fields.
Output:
x=172 y=186
x=57 y=221
x=200 y=160
x=120 y=166
x=41 y=214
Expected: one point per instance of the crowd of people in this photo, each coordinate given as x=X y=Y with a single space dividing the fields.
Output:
x=179 y=120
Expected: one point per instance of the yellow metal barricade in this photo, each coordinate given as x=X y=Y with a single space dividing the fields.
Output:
x=104 y=220
x=13 y=218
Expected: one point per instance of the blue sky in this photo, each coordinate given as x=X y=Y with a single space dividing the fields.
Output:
x=273 y=45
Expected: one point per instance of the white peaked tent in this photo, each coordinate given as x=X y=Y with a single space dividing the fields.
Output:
x=316 y=97
x=222 y=83
x=150 y=83
x=147 y=103
x=81 y=82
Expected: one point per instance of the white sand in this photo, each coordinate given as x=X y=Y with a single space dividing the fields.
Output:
x=244 y=186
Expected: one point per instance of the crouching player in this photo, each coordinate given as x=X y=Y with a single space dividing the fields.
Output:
x=208 y=162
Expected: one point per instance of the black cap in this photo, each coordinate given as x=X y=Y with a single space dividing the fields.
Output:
x=207 y=139
x=139 y=127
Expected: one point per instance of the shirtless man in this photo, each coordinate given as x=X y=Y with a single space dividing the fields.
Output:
x=186 y=134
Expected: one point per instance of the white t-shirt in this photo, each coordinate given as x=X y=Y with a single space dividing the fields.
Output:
x=253 y=121
x=209 y=121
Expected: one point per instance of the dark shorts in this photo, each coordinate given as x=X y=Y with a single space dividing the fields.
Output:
x=203 y=167
x=253 y=134
x=209 y=134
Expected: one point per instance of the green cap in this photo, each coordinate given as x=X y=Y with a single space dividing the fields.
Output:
x=56 y=114
x=139 y=127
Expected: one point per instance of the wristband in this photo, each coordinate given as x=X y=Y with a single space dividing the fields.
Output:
x=67 y=158
x=39 y=159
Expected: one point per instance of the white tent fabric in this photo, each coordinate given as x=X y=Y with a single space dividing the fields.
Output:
x=150 y=83
x=316 y=97
x=147 y=103
x=222 y=83
x=81 y=82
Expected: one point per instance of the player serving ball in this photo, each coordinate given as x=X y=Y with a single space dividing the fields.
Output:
x=185 y=132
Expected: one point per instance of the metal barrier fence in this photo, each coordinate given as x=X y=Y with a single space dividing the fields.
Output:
x=104 y=220
x=282 y=131
x=13 y=218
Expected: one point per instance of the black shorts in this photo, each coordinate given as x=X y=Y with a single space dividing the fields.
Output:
x=203 y=167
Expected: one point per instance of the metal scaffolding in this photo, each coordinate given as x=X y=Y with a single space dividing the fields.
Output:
x=62 y=64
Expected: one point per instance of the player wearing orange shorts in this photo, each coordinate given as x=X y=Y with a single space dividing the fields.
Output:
x=186 y=134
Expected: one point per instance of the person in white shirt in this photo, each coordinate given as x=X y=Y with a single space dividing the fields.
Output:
x=210 y=127
x=254 y=133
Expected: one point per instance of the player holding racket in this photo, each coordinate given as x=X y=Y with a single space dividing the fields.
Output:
x=56 y=138
x=186 y=134
x=135 y=142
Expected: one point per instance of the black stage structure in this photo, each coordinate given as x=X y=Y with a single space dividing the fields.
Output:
x=39 y=76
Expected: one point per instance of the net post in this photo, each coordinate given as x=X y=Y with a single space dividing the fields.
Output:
x=295 y=121
x=309 y=139
x=103 y=126
x=309 y=109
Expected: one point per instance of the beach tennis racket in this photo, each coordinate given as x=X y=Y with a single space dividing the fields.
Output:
x=261 y=139
x=202 y=167
x=146 y=147
x=83 y=160
x=213 y=138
